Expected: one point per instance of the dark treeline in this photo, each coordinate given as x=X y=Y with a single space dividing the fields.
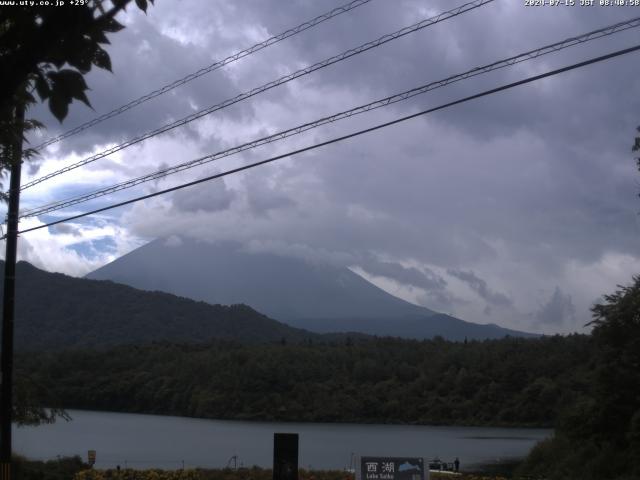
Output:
x=525 y=382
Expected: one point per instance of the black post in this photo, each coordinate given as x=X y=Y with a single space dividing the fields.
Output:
x=8 y=301
x=285 y=456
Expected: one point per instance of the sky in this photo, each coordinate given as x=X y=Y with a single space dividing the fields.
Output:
x=519 y=208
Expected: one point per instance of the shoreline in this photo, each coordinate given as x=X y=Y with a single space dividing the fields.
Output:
x=73 y=468
x=321 y=422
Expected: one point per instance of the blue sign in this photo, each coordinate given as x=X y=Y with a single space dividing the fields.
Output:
x=391 y=468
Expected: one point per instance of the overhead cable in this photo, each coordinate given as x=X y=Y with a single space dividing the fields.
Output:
x=342 y=138
x=203 y=71
x=529 y=55
x=267 y=86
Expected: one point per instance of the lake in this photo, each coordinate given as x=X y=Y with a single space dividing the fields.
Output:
x=146 y=441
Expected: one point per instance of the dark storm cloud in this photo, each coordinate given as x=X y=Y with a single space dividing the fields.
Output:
x=143 y=59
x=551 y=181
x=538 y=178
x=573 y=170
x=262 y=202
x=541 y=196
x=212 y=197
x=263 y=198
x=480 y=286
x=468 y=41
x=557 y=311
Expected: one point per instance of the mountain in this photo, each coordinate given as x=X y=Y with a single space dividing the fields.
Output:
x=55 y=311
x=313 y=296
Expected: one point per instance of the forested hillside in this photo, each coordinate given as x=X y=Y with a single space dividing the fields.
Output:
x=55 y=311
x=497 y=382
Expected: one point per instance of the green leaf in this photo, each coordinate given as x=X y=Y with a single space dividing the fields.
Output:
x=83 y=98
x=111 y=25
x=142 y=5
x=101 y=59
x=83 y=64
x=59 y=106
x=69 y=84
x=99 y=37
x=68 y=81
x=82 y=55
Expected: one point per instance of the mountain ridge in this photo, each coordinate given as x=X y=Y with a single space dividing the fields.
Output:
x=56 y=311
x=308 y=295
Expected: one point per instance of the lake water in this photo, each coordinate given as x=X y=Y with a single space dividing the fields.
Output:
x=146 y=441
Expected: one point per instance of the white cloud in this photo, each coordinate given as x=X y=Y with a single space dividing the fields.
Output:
x=528 y=190
x=72 y=250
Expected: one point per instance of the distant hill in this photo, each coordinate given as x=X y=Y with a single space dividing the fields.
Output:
x=316 y=297
x=56 y=311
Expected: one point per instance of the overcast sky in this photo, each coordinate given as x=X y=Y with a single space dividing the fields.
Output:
x=518 y=209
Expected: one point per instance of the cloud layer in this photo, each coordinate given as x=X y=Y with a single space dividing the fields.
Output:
x=518 y=209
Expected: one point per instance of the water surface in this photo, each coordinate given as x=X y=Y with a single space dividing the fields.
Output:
x=145 y=441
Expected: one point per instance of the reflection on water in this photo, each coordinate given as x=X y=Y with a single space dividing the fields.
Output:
x=146 y=441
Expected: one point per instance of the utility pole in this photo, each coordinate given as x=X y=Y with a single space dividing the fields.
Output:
x=8 y=301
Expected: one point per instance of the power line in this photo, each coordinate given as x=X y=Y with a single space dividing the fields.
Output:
x=344 y=137
x=257 y=90
x=267 y=86
x=532 y=54
x=203 y=71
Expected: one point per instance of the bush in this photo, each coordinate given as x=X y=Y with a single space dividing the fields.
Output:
x=60 y=469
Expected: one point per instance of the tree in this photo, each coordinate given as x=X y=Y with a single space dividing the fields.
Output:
x=636 y=147
x=599 y=437
x=48 y=50
x=39 y=43
x=44 y=50
x=617 y=394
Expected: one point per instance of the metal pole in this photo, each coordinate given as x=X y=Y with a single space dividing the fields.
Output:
x=8 y=301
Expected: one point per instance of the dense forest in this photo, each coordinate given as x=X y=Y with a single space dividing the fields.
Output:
x=512 y=381
x=586 y=386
